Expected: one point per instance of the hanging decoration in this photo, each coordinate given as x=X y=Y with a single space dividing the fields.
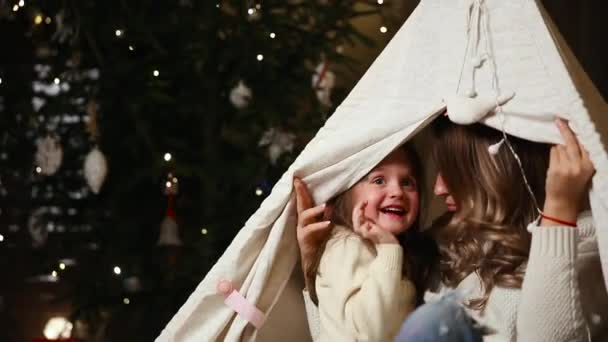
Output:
x=240 y=96
x=35 y=226
x=95 y=169
x=95 y=164
x=169 y=231
x=323 y=81
x=278 y=142
x=49 y=155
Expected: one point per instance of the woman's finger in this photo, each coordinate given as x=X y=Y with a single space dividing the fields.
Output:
x=571 y=142
x=303 y=199
x=308 y=215
x=314 y=228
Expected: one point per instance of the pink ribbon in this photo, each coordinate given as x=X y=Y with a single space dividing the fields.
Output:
x=234 y=300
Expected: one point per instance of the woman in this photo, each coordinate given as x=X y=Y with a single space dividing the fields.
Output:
x=485 y=248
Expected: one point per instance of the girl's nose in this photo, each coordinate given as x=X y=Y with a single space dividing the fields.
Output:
x=396 y=190
x=440 y=189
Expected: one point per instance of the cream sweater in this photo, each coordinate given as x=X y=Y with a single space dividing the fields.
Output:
x=362 y=294
x=562 y=297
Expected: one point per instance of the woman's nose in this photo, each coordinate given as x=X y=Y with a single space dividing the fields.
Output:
x=440 y=189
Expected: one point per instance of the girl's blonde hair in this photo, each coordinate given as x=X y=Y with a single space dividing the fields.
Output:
x=487 y=234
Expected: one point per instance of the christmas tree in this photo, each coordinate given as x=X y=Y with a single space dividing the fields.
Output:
x=138 y=136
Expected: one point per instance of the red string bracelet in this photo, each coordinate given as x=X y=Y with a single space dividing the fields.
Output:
x=567 y=223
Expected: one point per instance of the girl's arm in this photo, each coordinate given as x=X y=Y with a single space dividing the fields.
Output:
x=550 y=308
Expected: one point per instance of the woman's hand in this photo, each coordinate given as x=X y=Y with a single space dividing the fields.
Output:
x=368 y=229
x=310 y=232
x=570 y=170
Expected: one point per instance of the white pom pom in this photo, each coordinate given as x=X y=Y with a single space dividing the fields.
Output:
x=493 y=149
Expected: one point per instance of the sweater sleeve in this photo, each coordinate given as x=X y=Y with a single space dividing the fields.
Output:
x=550 y=307
x=361 y=295
x=312 y=314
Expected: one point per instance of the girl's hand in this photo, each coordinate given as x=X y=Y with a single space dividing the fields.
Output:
x=368 y=229
x=570 y=170
x=310 y=232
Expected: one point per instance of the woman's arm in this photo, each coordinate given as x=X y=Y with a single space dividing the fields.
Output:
x=550 y=308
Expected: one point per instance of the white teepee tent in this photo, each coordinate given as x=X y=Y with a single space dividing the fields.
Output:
x=467 y=54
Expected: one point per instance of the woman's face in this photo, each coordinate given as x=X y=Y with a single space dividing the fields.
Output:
x=441 y=189
x=391 y=193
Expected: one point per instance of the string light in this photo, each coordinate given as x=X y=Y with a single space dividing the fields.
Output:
x=258 y=6
x=204 y=231
x=38 y=19
x=61 y=266
x=168 y=184
x=126 y=300
x=380 y=2
x=117 y=270
x=167 y=156
x=54 y=274
x=273 y=35
x=131 y=48
x=1 y=237
x=258 y=191
x=38 y=169
x=0 y=80
x=56 y=80
x=383 y=29
x=118 y=33
x=155 y=73
x=251 y=11
x=15 y=8
x=21 y=3
x=48 y=20
x=260 y=57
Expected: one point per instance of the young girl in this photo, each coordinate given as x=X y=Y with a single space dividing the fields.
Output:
x=364 y=287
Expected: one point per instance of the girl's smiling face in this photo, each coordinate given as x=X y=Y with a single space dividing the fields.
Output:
x=391 y=193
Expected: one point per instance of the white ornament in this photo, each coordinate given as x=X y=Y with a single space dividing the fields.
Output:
x=323 y=81
x=465 y=110
x=50 y=89
x=240 y=96
x=49 y=155
x=278 y=142
x=95 y=169
x=37 y=103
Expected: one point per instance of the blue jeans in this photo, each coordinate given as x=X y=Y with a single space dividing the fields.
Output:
x=443 y=320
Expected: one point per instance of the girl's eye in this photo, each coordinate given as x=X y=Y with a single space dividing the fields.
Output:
x=408 y=182
x=378 y=180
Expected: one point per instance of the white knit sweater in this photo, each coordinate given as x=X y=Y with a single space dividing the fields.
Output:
x=362 y=293
x=562 y=297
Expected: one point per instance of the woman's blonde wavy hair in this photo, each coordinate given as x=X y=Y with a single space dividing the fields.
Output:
x=487 y=234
